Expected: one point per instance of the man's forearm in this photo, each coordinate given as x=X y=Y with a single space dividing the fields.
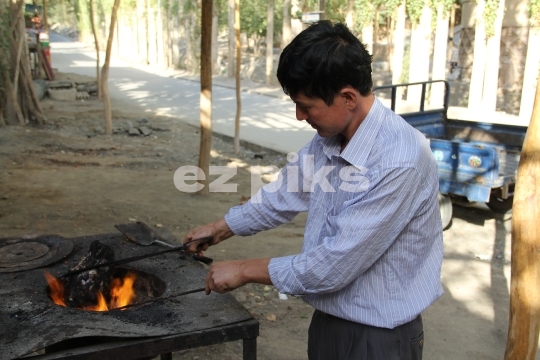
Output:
x=256 y=271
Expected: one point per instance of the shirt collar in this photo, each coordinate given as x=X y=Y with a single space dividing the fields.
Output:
x=359 y=147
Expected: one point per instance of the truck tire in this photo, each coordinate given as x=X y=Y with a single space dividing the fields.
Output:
x=445 y=206
x=500 y=205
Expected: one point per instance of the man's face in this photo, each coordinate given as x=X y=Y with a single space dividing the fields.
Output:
x=327 y=120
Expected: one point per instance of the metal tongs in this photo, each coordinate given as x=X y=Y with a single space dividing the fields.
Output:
x=140 y=257
x=142 y=234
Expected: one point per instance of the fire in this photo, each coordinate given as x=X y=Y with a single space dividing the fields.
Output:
x=121 y=293
x=57 y=289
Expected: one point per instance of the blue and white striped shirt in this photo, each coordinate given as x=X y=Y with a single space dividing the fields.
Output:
x=373 y=245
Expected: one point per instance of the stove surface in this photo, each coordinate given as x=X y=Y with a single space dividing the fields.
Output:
x=31 y=321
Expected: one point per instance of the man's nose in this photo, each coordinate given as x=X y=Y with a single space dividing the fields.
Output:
x=301 y=114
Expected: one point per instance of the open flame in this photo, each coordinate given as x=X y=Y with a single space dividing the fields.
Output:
x=121 y=293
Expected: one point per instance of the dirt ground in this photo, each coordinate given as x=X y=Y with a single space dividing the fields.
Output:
x=67 y=178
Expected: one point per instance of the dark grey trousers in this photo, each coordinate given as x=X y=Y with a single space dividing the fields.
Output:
x=333 y=338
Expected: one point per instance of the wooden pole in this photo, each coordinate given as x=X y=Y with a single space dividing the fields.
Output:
x=238 y=68
x=105 y=71
x=270 y=42
x=45 y=22
x=206 y=93
x=96 y=44
x=524 y=324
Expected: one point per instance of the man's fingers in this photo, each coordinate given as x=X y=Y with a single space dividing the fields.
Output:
x=207 y=288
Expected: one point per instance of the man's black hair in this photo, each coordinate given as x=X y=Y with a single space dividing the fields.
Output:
x=322 y=60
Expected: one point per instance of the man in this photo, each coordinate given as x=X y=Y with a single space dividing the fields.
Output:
x=372 y=252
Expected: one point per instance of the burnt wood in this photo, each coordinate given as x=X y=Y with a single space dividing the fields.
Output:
x=30 y=321
x=82 y=289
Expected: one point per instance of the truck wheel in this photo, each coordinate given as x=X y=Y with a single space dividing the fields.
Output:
x=445 y=206
x=499 y=205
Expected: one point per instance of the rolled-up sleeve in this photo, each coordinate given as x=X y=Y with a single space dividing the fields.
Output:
x=272 y=205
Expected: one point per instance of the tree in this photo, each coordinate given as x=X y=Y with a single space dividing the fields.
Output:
x=18 y=101
x=441 y=8
x=531 y=63
x=286 y=31
x=238 y=68
x=206 y=93
x=399 y=44
x=45 y=21
x=215 y=18
x=494 y=13
x=420 y=15
x=479 y=58
x=230 y=57
x=524 y=324
x=270 y=42
x=105 y=71
x=349 y=17
x=96 y=44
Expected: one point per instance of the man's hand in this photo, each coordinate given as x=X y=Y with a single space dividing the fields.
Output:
x=228 y=275
x=218 y=231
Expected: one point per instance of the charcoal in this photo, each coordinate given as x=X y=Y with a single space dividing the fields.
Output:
x=82 y=289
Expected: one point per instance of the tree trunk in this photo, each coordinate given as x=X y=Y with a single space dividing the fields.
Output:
x=206 y=93
x=399 y=44
x=45 y=17
x=349 y=16
x=215 y=18
x=270 y=42
x=238 y=68
x=479 y=59
x=105 y=71
x=524 y=323
x=389 y=43
x=420 y=52
x=322 y=9
x=96 y=42
x=530 y=74
x=160 y=53
x=491 y=77
x=439 y=57
x=367 y=37
x=375 y=29
x=286 y=32
x=147 y=30
x=451 y=31
x=22 y=100
x=230 y=57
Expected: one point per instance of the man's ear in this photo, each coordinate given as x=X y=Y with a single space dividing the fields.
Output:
x=350 y=96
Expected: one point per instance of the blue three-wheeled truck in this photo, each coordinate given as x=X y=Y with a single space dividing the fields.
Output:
x=477 y=161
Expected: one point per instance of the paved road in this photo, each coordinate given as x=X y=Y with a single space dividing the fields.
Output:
x=267 y=121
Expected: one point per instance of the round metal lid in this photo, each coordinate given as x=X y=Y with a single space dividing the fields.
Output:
x=26 y=254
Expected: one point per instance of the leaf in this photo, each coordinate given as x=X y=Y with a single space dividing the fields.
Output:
x=271 y=317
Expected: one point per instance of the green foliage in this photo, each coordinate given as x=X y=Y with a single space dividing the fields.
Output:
x=414 y=9
x=534 y=10
x=391 y=7
x=447 y=6
x=364 y=11
x=490 y=15
x=253 y=17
